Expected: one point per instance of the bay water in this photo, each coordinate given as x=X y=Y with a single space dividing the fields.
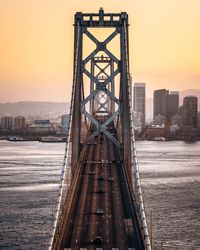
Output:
x=29 y=180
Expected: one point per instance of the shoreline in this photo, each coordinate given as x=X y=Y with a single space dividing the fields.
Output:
x=193 y=140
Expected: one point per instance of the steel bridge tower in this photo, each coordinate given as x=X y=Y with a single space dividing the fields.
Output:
x=83 y=24
x=101 y=113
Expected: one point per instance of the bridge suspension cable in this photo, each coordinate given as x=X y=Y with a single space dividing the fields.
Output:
x=66 y=168
x=134 y=161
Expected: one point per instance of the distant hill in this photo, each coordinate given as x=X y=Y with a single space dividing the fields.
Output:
x=55 y=109
x=37 y=109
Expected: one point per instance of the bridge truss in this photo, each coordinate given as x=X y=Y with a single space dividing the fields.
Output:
x=101 y=99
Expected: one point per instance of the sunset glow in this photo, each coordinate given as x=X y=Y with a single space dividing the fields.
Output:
x=36 y=45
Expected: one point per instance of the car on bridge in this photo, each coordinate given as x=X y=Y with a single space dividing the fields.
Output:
x=111 y=178
x=101 y=190
x=100 y=178
x=99 y=211
x=91 y=173
x=97 y=240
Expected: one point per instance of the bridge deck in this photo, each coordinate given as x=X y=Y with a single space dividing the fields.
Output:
x=101 y=214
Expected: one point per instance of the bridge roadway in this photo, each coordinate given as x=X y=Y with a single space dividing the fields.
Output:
x=100 y=214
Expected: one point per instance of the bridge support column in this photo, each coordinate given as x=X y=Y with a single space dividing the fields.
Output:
x=76 y=122
x=125 y=111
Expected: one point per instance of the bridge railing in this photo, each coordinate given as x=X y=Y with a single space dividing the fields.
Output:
x=134 y=162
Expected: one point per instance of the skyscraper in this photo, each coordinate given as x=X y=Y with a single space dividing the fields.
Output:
x=160 y=102
x=7 y=122
x=139 y=104
x=19 y=122
x=190 y=112
x=172 y=104
x=65 y=123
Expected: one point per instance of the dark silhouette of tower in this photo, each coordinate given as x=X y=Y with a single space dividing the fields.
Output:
x=172 y=104
x=160 y=102
x=190 y=113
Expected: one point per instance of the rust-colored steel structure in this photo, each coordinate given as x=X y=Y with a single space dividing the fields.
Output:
x=100 y=201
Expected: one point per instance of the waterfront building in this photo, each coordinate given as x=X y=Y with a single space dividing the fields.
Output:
x=166 y=103
x=7 y=123
x=64 y=123
x=172 y=104
x=190 y=112
x=198 y=119
x=41 y=126
x=42 y=122
x=160 y=102
x=176 y=120
x=19 y=122
x=160 y=120
x=138 y=121
x=139 y=104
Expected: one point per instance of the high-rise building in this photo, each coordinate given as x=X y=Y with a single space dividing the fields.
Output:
x=65 y=123
x=139 y=104
x=190 y=112
x=7 y=122
x=198 y=119
x=19 y=122
x=172 y=104
x=160 y=102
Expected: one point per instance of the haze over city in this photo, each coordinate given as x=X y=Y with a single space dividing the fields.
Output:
x=37 y=45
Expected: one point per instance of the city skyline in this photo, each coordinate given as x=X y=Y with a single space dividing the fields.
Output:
x=37 y=46
x=184 y=92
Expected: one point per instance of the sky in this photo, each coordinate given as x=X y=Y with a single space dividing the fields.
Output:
x=36 y=45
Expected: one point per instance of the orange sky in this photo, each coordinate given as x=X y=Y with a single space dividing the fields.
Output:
x=36 y=45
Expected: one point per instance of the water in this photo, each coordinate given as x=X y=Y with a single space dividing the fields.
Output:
x=170 y=174
x=28 y=187
x=29 y=176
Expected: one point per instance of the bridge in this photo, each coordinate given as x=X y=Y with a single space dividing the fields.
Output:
x=100 y=203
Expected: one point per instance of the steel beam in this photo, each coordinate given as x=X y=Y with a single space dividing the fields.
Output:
x=125 y=116
x=76 y=122
x=109 y=66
